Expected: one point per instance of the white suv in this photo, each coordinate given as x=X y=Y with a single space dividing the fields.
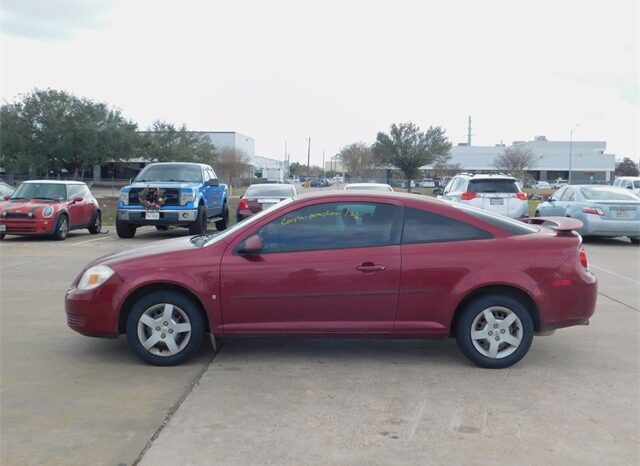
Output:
x=630 y=182
x=497 y=193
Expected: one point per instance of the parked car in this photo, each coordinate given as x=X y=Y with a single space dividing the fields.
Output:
x=345 y=263
x=427 y=183
x=6 y=189
x=172 y=193
x=632 y=183
x=316 y=183
x=497 y=193
x=559 y=183
x=49 y=208
x=368 y=187
x=542 y=185
x=603 y=210
x=259 y=197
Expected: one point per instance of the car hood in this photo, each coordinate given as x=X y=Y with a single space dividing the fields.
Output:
x=26 y=205
x=164 y=184
x=174 y=245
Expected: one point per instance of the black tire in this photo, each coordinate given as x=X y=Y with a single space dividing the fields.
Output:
x=184 y=311
x=537 y=214
x=2 y=236
x=199 y=227
x=61 y=228
x=96 y=224
x=125 y=229
x=465 y=326
x=635 y=240
x=224 y=223
x=162 y=227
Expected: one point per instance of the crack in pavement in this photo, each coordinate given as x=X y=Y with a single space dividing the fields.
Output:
x=619 y=302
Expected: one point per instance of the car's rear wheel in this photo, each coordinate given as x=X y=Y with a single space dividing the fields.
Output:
x=2 y=236
x=96 y=224
x=199 y=227
x=634 y=240
x=61 y=229
x=537 y=214
x=224 y=223
x=495 y=331
x=165 y=328
x=124 y=229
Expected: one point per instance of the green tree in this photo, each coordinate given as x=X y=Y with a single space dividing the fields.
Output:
x=407 y=148
x=165 y=143
x=626 y=168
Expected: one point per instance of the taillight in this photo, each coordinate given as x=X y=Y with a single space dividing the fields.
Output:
x=243 y=204
x=593 y=210
x=583 y=259
x=522 y=196
x=468 y=196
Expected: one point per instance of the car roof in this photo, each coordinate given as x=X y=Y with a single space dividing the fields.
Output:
x=392 y=195
x=262 y=185
x=66 y=182
x=195 y=164
x=368 y=184
x=495 y=176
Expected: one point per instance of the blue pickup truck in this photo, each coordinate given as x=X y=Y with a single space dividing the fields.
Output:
x=173 y=193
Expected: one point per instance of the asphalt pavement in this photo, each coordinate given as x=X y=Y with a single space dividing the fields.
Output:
x=69 y=399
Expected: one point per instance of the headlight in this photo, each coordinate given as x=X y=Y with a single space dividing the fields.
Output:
x=124 y=197
x=94 y=277
x=187 y=196
x=47 y=211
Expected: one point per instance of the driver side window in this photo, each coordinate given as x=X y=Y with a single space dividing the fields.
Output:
x=73 y=190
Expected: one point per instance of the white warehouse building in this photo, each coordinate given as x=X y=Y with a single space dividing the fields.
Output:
x=589 y=162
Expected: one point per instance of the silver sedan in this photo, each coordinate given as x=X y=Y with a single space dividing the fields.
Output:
x=604 y=210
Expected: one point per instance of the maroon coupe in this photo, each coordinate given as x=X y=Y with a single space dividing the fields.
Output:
x=345 y=264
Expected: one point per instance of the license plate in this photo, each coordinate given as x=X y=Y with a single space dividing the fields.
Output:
x=152 y=216
x=267 y=205
x=3 y=228
x=622 y=213
x=495 y=201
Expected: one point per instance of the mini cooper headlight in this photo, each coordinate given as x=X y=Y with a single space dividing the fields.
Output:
x=47 y=211
x=94 y=277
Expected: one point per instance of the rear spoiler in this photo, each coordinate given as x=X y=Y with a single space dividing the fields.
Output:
x=563 y=225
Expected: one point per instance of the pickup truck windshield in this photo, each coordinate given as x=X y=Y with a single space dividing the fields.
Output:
x=171 y=172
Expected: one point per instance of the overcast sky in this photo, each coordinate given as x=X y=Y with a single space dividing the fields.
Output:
x=339 y=71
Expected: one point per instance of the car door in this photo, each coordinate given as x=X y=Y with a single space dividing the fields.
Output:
x=553 y=206
x=327 y=267
x=436 y=254
x=76 y=209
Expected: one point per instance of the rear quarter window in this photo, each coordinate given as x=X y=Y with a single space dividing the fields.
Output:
x=425 y=227
x=515 y=227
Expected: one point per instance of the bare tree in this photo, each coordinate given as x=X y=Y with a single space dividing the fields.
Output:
x=516 y=161
x=231 y=164
x=357 y=158
x=443 y=168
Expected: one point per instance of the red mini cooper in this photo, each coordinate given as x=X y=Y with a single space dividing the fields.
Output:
x=345 y=263
x=49 y=208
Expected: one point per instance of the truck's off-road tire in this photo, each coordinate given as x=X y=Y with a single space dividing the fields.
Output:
x=199 y=227
x=125 y=229
x=224 y=223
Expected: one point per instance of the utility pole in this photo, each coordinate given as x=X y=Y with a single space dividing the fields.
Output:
x=323 y=164
x=469 y=132
x=570 y=147
x=308 y=156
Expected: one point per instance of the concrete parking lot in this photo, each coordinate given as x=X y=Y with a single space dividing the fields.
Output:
x=69 y=399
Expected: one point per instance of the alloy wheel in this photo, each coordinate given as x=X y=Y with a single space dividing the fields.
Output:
x=496 y=332
x=164 y=329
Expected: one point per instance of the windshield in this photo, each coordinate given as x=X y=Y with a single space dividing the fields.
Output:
x=171 y=172
x=493 y=186
x=215 y=237
x=607 y=194
x=53 y=191
x=269 y=191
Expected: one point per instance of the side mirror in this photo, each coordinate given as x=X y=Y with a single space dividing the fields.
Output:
x=78 y=199
x=552 y=199
x=213 y=182
x=252 y=245
x=6 y=198
x=437 y=192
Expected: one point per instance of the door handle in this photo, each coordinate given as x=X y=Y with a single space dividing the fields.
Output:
x=370 y=267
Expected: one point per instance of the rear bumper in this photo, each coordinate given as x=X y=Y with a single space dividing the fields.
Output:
x=594 y=225
x=242 y=214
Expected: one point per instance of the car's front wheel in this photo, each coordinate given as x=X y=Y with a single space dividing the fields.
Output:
x=164 y=328
x=61 y=229
x=495 y=331
x=634 y=240
x=96 y=224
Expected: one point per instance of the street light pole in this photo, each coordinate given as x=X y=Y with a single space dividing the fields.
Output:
x=570 y=148
x=308 y=156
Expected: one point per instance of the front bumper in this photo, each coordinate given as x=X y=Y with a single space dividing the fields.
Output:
x=167 y=217
x=94 y=312
x=37 y=226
